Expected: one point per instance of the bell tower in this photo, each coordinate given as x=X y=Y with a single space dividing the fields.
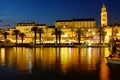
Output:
x=104 y=18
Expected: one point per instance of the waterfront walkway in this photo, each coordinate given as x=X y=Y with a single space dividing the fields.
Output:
x=51 y=45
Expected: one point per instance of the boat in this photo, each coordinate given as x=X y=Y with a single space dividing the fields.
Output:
x=113 y=60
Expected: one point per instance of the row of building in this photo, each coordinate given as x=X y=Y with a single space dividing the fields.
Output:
x=68 y=27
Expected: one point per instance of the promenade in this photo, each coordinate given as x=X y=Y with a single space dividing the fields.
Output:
x=52 y=45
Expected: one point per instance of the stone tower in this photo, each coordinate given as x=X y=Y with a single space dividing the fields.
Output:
x=104 y=18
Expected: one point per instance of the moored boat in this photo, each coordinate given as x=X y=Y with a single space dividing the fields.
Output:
x=113 y=60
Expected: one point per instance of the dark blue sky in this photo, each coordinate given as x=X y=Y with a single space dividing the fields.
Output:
x=48 y=11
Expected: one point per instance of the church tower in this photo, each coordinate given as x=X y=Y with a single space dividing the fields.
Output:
x=104 y=18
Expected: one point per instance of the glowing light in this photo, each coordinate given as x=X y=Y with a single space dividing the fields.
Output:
x=2 y=56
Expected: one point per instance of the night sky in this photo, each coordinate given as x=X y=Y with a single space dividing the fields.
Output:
x=48 y=11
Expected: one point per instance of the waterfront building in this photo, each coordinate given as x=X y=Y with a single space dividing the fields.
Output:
x=90 y=32
x=75 y=23
x=26 y=29
x=104 y=16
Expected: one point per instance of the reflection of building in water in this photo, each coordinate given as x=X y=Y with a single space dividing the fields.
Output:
x=2 y=56
x=103 y=67
x=90 y=58
x=64 y=59
x=24 y=59
x=19 y=58
x=83 y=59
x=45 y=57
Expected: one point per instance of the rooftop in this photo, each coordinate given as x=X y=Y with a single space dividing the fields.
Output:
x=82 y=19
x=30 y=24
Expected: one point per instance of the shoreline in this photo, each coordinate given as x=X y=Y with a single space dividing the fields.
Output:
x=44 y=45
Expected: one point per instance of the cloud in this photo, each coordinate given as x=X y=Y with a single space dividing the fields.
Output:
x=1 y=21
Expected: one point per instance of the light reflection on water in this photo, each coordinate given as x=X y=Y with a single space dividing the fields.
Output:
x=65 y=60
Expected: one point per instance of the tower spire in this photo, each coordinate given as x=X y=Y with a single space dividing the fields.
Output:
x=104 y=20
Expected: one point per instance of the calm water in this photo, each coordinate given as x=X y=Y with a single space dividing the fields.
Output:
x=56 y=64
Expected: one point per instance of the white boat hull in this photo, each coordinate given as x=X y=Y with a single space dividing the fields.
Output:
x=113 y=61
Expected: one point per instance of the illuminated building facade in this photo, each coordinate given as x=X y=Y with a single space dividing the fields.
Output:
x=26 y=29
x=76 y=23
x=104 y=18
x=90 y=33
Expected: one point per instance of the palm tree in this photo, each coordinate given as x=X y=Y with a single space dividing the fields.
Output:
x=79 y=32
x=1 y=31
x=40 y=31
x=101 y=33
x=5 y=35
x=116 y=32
x=22 y=35
x=34 y=29
x=59 y=34
x=85 y=31
x=72 y=30
x=16 y=33
x=56 y=34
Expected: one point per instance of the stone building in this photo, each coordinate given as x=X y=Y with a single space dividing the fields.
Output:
x=90 y=31
x=76 y=23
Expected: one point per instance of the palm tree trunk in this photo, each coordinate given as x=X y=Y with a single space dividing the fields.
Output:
x=35 y=37
x=16 y=39
x=59 y=37
x=40 y=37
x=5 y=38
x=100 y=38
x=78 y=38
x=22 y=38
x=56 y=37
x=103 y=39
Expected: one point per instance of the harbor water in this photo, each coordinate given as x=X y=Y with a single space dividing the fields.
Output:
x=61 y=63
